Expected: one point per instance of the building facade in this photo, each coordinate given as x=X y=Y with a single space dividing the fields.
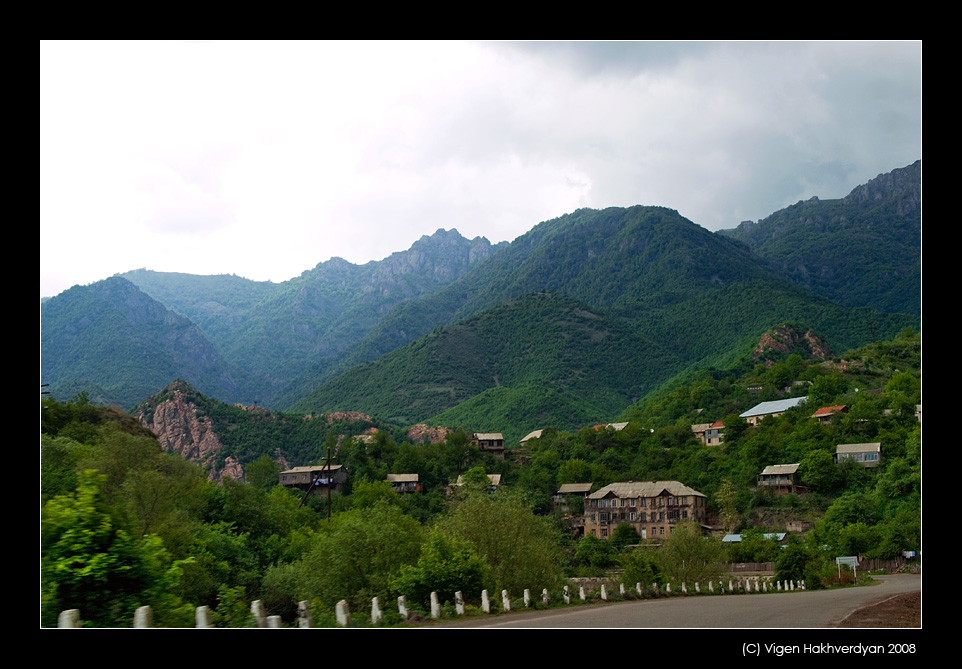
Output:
x=652 y=508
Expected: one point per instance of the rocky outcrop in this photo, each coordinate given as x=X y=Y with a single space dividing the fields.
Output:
x=788 y=339
x=179 y=430
x=421 y=433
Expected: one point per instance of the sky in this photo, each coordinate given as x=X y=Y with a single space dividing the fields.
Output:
x=263 y=159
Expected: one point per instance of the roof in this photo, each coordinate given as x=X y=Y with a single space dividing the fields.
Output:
x=532 y=435
x=573 y=488
x=701 y=427
x=859 y=448
x=644 y=489
x=309 y=468
x=718 y=424
x=736 y=538
x=488 y=436
x=777 y=406
x=774 y=470
x=826 y=411
x=402 y=478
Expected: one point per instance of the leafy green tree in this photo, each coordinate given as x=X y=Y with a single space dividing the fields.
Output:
x=447 y=565
x=624 y=536
x=595 y=553
x=90 y=563
x=262 y=473
x=687 y=556
x=522 y=550
x=354 y=556
x=640 y=566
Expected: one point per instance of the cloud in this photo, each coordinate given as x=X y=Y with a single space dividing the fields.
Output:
x=266 y=158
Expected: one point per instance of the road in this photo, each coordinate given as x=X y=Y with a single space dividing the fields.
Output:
x=814 y=609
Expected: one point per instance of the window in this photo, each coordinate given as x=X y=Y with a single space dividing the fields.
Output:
x=632 y=502
x=631 y=515
x=604 y=532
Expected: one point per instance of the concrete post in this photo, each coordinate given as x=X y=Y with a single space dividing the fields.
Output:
x=69 y=619
x=581 y=592
x=566 y=596
x=257 y=610
x=621 y=589
x=684 y=588
x=275 y=622
x=459 y=603
x=202 y=618
x=654 y=586
x=638 y=588
x=402 y=607
x=435 y=606
x=304 y=620
x=604 y=593
x=376 y=615
x=505 y=601
x=667 y=588
x=343 y=613
x=485 y=603
x=544 y=596
x=527 y=598
x=143 y=618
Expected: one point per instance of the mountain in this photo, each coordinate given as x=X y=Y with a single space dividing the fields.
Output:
x=541 y=340
x=276 y=331
x=864 y=250
x=120 y=345
x=594 y=309
x=626 y=298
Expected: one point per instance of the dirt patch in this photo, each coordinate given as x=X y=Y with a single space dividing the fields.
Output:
x=898 y=611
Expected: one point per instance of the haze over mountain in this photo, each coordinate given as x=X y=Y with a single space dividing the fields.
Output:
x=594 y=308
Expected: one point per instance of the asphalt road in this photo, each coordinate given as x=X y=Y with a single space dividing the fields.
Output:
x=815 y=609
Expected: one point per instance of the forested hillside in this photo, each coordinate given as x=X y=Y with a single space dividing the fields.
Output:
x=125 y=523
x=864 y=250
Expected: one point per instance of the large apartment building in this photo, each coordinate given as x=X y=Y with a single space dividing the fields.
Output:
x=653 y=508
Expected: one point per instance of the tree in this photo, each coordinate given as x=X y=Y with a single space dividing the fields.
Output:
x=688 y=557
x=88 y=562
x=355 y=556
x=641 y=566
x=521 y=549
x=624 y=536
x=447 y=565
x=727 y=497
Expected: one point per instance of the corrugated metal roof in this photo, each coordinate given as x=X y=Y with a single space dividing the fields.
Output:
x=859 y=448
x=644 y=489
x=310 y=468
x=772 y=470
x=532 y=435
x=488 y=436
x=573 y=488
x=736 y=538
x=776 y=406
x=402 y=478
x=825 y=411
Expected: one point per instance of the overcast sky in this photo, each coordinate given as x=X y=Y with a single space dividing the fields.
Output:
x=263 y=159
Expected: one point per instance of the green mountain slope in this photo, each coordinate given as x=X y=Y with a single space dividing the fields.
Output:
x=126 y=345
x=541 y=340
x=276 y=331
x=864 y=250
